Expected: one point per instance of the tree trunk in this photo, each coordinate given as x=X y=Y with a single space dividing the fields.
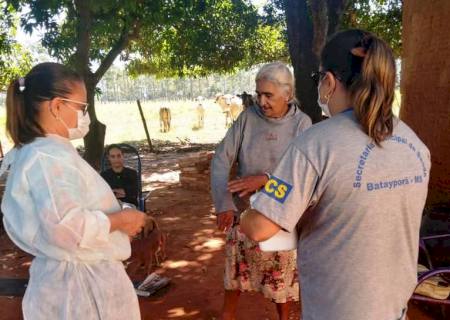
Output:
x=306 y=38
x=95 y=139
x=300 y=38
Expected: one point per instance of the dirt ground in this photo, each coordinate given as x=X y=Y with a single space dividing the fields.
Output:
x=194 y=257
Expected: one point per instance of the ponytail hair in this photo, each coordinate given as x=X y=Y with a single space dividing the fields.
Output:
x=365 y=65
x=44 y=82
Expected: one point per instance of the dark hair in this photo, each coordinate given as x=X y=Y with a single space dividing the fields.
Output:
x=365 y=65
x=45 y=81
x=113 y=146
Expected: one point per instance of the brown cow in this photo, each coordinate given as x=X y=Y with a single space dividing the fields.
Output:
x=164 y=119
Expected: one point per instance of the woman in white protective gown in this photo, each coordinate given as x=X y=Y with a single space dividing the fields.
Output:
x=59 y=209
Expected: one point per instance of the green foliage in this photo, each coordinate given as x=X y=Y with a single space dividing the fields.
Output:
x=214 y=37
x=14 y=60
x=382 y=17
x=167 y=38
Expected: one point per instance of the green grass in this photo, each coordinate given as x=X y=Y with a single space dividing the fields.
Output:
x=123 y=122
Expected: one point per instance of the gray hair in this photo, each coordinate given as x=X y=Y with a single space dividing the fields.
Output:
x=279 y=74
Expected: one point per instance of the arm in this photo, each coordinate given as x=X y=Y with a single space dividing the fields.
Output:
x=58 y=189
x=129 y=221
x=256 y=226
x=225 y=155
x=280 y=204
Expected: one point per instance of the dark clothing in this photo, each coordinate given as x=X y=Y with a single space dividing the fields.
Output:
x=127 y=180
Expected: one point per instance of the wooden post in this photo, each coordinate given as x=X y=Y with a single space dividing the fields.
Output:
x=145 y=125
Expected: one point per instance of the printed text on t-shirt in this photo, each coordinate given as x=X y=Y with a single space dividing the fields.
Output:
x=391 y=183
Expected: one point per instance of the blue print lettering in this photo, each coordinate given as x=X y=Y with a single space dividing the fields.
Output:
x=390 y=184
x=361 y=163
x=371 y=186
x=424 y=169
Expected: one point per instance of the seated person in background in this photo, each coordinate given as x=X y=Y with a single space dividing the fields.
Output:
x=122 y=180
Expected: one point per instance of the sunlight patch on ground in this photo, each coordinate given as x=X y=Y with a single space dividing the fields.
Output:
x=215 y=243
x=171 y=177
x=176 y=264
x=205 y=257
x=171 y=219
x=180 y=312
x=209 y=245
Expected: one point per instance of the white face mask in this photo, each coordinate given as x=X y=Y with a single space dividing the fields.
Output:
x=82 y=127
x=324 y=106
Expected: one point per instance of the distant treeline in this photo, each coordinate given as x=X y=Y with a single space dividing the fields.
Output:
x=116 y=85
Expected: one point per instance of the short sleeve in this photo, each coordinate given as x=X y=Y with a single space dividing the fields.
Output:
x=58 y=189
x=289 y=191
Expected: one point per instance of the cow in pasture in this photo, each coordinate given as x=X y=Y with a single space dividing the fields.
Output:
x=164 y=119
x=200 y=112
x=231 y=106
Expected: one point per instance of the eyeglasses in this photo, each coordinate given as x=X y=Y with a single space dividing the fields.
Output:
x=317 y=76
x=84 y=104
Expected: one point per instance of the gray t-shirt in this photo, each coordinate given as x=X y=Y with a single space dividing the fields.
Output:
x=358 y=209
x=256 y=142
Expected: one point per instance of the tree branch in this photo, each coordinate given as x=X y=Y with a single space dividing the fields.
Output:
x=84 y=37
x=116 y=49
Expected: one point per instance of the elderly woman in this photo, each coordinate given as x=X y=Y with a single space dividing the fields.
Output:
x=256 y=142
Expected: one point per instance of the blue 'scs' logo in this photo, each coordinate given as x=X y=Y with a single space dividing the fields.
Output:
x=277 y=189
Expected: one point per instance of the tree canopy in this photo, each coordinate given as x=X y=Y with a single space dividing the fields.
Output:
x=382 y=17
x=14 y=59
x=206 y=37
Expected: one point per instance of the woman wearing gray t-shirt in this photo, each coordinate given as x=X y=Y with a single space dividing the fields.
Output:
x=356 y=185
x=256 y=142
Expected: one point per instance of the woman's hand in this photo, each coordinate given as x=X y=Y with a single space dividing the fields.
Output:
x=129 y=221
x=247 y=185
x=225 y=220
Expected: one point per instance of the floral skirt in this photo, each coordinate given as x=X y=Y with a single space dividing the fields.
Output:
x=247 y=268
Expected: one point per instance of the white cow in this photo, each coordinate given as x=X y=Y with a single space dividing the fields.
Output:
x=200 y=112
x=231 y=106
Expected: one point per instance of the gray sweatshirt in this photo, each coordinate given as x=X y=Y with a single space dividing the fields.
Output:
x=256 y=143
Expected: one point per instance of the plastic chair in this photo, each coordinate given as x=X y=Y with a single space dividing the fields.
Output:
x=132 y=160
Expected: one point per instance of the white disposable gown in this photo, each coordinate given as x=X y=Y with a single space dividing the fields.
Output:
x=55 y=207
